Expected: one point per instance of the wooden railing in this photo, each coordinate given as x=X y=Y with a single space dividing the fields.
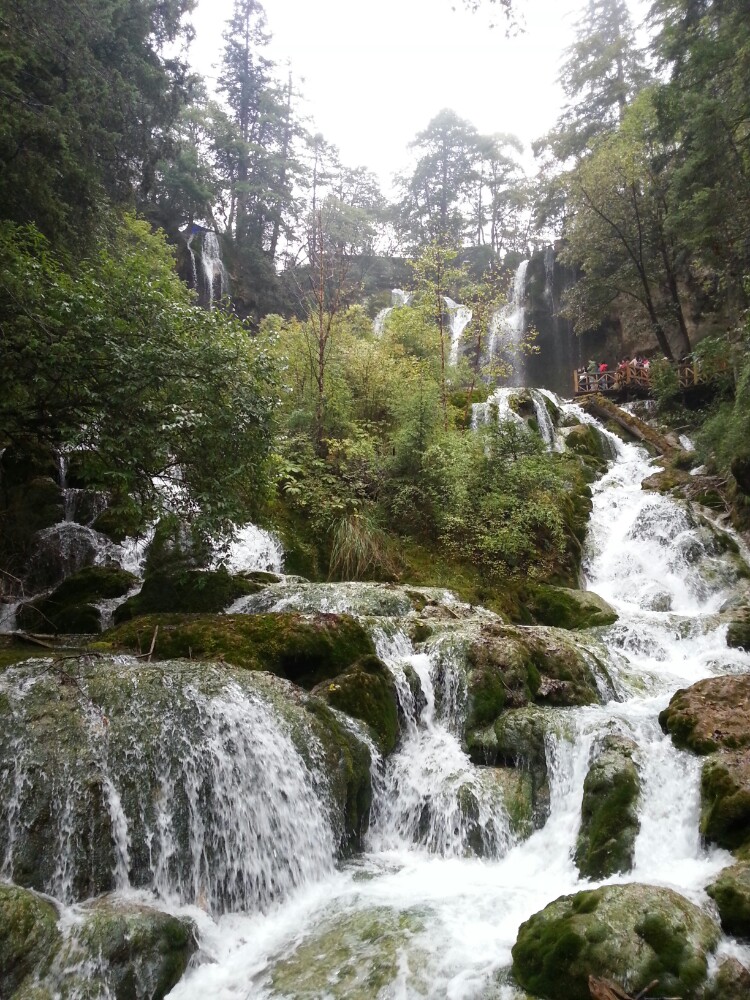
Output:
x=636 y=378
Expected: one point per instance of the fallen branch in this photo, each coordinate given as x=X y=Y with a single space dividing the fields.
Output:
x=147 y=656
x=34 y=640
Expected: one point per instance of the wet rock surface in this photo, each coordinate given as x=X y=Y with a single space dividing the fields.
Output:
x=709 y=715
x=725 y=799
x=366 y=691
x=563 y=607
x=631 y=934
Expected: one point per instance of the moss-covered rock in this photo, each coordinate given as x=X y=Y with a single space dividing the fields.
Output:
x=510 y=667
x=185 y=592
x=366 y=691
x=631 y=934
x=711 y=714
x=29 y=937
x=132 y=951
x=725 y=798
x=731 y=981
x=306 y=649
x=738 y=632
x=70 y=606
x=583 y=439
x=609 y=815
x=563 y=607
x=731 y=893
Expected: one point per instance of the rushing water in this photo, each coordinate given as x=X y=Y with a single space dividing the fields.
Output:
x=421 y=914
x=509 y=325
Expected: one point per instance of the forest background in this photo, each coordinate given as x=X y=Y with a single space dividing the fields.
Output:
x=280 y=404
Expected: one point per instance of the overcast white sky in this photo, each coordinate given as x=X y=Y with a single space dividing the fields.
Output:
x=373 y=74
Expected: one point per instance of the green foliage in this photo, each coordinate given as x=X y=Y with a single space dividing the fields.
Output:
x=110 y=357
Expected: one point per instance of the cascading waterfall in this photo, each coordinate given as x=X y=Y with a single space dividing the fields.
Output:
x=459 y=915
x=508 y=326
x=459 y=318
x=500 y=404
x=549 y=277
x=214 y=272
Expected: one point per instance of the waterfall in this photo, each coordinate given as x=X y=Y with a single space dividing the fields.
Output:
x=194 y=269
x=459 y=318
x=214 y=272
x=253 y=549
x=508 y=327
x=500 y=402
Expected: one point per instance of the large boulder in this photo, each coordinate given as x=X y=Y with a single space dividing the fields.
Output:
x=631 y=934
x=731 y=893
x=563 y=607
x=731 y=981
x=306 y=649
x=609 y=814
x=216 y=784
x=711 y=714
x=366 y=691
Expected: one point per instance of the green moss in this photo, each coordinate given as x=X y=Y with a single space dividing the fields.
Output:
x=366 y=691
x=306 y=649
x=731 y=893
x=29 y=936
x=738 y=634
x=184 y=592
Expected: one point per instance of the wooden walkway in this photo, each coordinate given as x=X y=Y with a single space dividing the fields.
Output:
x=634 y=380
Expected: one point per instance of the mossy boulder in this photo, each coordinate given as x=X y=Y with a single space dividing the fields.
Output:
x=132 y=951
x=563 y=607
x=70 y=606
x=366 y=691
x=510 y=667
x=709 y=715
x=583 y=439
x=731 y=893
x=185 y=591
x=631 y=934
x=29 y=937
x=725 y=798
x=306 y=649
x=738 y=632
x=107 y=752
x=609 y=815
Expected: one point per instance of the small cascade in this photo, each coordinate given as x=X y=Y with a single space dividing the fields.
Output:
x=503 y=402
x=431 y=795
x=253 y=550
x=62 y=473
x=459 y=318
x=508 y=326
x=399 y=298
x=214 y=272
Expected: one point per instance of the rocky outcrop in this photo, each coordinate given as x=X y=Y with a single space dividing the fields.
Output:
x=183 y=591
x=731 y=981
x=731 y=893
x=709 y=715
x=366 y=691
x=609 y=815
x=509 y=667
x=29 y=937
x=563 y=607
x=306 y=649
x=631 y=934
x=713 y=717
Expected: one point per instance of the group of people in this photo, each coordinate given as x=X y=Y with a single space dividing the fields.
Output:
x=596 y=375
